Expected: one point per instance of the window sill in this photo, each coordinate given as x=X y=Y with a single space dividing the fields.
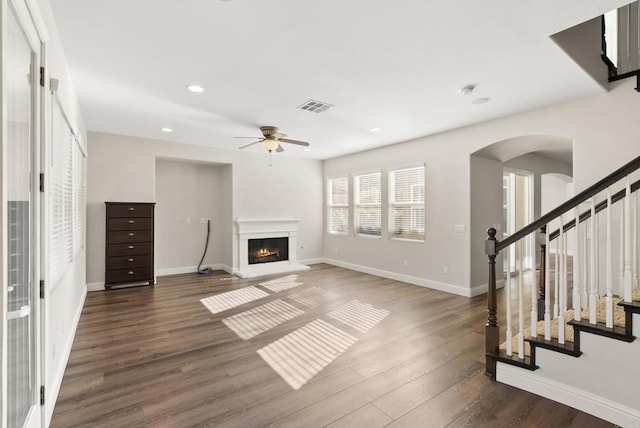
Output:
x=368 y=236
x=338 y=233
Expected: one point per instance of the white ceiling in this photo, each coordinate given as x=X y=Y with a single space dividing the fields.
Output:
x=395 y=65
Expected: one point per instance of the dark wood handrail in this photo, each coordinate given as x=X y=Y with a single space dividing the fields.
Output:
x=591 y=191
x=618 y=196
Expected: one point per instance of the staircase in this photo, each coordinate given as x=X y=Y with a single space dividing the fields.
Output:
x=567 y=329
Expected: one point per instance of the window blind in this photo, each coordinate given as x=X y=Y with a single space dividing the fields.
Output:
x=407 y=203
x=338 y=205
x=368 y=198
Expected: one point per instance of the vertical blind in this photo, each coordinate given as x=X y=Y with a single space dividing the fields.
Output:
x=368 y=200
x=66 y=181
x=338 y=202
x=406 y=187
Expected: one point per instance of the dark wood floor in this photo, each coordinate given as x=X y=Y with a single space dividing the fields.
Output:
x=156 y=357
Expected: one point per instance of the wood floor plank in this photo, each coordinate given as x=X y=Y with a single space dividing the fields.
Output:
x=156 y=357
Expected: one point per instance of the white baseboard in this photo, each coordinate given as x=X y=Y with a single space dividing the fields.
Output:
x=436 y=285
x=187 y=269
x=611 y=411
x=313 y=261
x=95 y=286
x=54 y=389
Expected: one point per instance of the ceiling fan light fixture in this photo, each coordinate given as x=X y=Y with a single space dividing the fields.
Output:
x=167 y=130
x=270 y=144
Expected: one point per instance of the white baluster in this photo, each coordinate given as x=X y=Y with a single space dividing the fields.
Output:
x=621 y=254
x=547 y=287
x=509 y=335
x=520 y=304
x=634 y=238
x=534 y=288
x=628 y=273
x=556 y=279
x=609 y=264
x=593 y=261
x=562 y=276
x=585 y=239
x=577 y=283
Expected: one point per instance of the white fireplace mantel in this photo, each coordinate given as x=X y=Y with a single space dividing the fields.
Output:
x=262 y=228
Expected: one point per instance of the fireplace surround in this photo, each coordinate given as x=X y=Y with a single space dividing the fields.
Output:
x=266 y=229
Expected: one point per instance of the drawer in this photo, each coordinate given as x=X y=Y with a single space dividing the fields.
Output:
x=128 y=262
x=129 y=210
x=128 y=275
x=122 y=236
x=136 y=223
x=122 y=250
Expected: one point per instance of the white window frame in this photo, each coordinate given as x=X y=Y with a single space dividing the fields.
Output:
x=412 y=203
x=331 y=205
x=359 y=205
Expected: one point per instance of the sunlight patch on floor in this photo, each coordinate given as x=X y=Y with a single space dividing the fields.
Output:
x=310 y=297
x=251 y=323
x=281 y=284
x=231 y=299
x=361 y=316
x=303 y=353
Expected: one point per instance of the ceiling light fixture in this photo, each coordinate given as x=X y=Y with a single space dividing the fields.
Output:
x=466 y=90
x=482 y=100
x=167 y=130
x=195 y=88
x=374 y=130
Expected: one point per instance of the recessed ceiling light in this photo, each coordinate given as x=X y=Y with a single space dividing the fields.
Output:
x=374 y=130
x=482 y=100
x=195 y=88
x=167 y=130
x=307 y=149
x=466 y=90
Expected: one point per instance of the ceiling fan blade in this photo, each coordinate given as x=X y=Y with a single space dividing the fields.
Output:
x=279 y=135
x=280 y=149
x=253 y=138
x=251 y=144
x=299 y=143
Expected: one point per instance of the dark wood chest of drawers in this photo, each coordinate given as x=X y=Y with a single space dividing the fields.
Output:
x=129 y=243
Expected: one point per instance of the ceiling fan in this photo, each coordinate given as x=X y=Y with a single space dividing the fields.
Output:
x=271 y=139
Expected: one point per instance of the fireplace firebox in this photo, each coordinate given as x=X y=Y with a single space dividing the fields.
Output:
x=268 y=250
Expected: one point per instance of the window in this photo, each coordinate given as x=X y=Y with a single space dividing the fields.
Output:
x=406 y=190
x=367 y=207
x=338 y=205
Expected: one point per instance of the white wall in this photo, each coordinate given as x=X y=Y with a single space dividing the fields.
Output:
x=605 y=134
x=555 y=190
x=123 y=168
x=187 y=193
x=63 y=299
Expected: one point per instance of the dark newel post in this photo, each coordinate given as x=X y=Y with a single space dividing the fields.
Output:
x=543 y=271
x=492 y=333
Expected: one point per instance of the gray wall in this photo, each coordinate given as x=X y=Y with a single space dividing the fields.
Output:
x=123 y=168
x=187 y=194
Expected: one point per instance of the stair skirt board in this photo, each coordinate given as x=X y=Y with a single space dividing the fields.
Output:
x=611 y=411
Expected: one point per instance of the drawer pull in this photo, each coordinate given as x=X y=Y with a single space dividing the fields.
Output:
x=132 y=209
x=131 y=234
x=130 y=272
x=130 y=260
x=131 y=247
x=131 y=221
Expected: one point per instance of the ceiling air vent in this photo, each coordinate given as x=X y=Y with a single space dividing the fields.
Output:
x=315 y=106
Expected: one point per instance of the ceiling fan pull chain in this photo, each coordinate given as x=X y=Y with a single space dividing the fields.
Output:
x=270 y=158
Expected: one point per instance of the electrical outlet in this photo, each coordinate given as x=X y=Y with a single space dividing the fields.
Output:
x=445 y=269
x=405 y=263
x=187 y=220
x=203 y=220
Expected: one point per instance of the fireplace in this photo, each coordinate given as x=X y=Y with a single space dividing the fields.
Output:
x=266 y=247
x=268 y=250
